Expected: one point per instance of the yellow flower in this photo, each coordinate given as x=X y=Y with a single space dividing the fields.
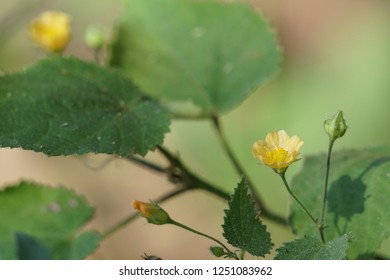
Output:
x=278 y=151
x=51 y=31
x=153 y=213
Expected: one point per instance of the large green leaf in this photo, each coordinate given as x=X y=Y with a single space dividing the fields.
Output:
x=206 y=55
x=358 y=198
x=64 y=106
x=242 y=228
x=310 y=248
x=50 y=217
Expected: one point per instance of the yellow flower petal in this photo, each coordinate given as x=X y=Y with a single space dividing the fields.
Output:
x=278 y=151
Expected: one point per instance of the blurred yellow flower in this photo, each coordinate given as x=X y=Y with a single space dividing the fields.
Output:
x=153 y=213
x=51 y=31
x=278 y=151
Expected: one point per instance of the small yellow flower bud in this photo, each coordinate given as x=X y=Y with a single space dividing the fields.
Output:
x=51 y=31
x=153 y=213
x=94 y=38
x=335 y=126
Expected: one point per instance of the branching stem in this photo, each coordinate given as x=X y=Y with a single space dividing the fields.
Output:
x=196 y=182
x=179 y=174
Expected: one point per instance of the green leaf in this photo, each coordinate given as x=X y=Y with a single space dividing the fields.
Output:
x=217 y=251
x=358 y=198
x=206 y=56
x=242 y=228
x=52 y=216
x=310 y=248
x=64 y=106
x=78 y=248
x=28 y=248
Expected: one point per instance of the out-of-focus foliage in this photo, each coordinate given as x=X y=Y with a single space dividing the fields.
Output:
x=204 y=54
x=39 y=217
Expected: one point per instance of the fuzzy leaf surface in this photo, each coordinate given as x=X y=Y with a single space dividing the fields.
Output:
x=65 y=106
x=310 y=248
x=242 y=228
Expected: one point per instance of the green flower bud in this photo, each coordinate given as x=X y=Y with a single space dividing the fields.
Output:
x=153 y=213
x=94 y=38
x=217 y=251
x=335 y=126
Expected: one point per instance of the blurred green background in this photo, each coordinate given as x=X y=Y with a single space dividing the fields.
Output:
x=336 y=56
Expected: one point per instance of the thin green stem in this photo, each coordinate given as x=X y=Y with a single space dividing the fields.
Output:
x=226 y=147
x=204 y=235
x=241 y=172
x=132 y=217
x=296 y=198
x=322 y=224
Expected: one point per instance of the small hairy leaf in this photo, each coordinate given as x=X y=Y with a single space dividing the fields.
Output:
x=65 y=106
x=358 y=198
x=44 y=217
x=242 y=228
x=217 y=251
x=310 y=248
x=206 y=56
